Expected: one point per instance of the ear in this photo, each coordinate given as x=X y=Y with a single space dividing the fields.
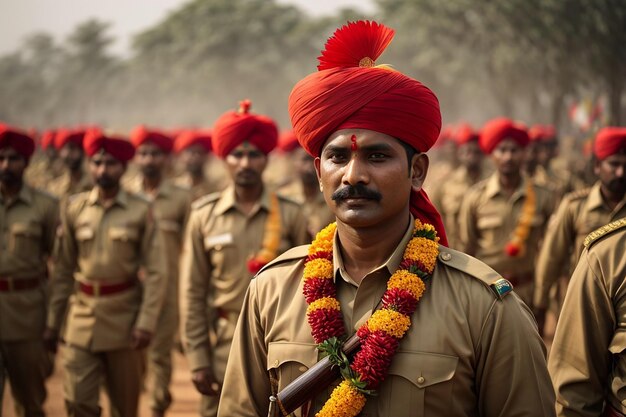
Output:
x=419 y=169
x=317 y=163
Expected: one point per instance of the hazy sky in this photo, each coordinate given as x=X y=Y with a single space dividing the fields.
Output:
x=127 y=17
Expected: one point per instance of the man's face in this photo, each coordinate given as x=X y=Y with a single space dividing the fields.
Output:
x=547 y=151
x=72 y=156
x=106 y=170
x=304 y=166
x=12 y=166
x=508 y=157
x=470 y=155
x=193 y=159
x=368 y=185
x=150 y=159
x=612 y=173
x=246 y=164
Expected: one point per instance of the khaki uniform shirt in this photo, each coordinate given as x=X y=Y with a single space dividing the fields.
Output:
x=214 y=276
x=27 y=229
x=63 y=186
x=447 y=197
x=488 y=219
x=588 y=359
x=468 y=352
x=107 y=246
x=40 y=172
x=202 y=189
x=580 y=213
x=316 y=211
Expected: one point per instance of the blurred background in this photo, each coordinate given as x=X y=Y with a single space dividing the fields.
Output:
x=175 y=63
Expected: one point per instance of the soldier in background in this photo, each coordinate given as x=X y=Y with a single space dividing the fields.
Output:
x=579 y=214
x=170 y=207
x=503 y=218
x=69 y=146
x=230 y=236
x=45 y=165
x=448 y=194
x=28 y=221
x=193 y=148
x=587 y=360
x=304 y=188
x=111 y=268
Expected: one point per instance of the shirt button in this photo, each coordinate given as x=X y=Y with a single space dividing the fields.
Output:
x=445 y=256
x=302 y=368
x=421 y=380
x=276 y=363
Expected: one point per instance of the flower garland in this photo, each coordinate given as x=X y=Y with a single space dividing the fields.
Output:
x=517 y=245
x=271 y=238
x=381 y=334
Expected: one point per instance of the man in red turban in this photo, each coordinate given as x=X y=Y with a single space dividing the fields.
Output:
x=28 y=222
x=107 y=314
x=379 y=275
x=231 y=235
x=69 y=145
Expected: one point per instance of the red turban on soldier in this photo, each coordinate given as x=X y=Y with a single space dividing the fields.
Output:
x=47 y=138
x=349 y=91
x=141 y=135
x=287 y=141
x=189 y=138
x=465 y=134
x=20 y=141
x=236 y=127
x=497 y=130
x=65 y=136
x=541 y=133
x=95 y=141
x=609 y=141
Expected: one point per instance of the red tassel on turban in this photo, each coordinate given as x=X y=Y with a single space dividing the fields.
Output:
x=95 y=141
x=350 y=92
x=141 y=135
x=189 y=138
x=497 y=130
x=609 y=141
x=236 y=127
x=20 y=141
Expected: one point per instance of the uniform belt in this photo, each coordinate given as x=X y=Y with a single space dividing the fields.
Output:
x=609 y=411
x=520 y=279
x=97 y=289
x=10 y=284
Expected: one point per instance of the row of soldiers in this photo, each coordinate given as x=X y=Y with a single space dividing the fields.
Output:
x=129 y=247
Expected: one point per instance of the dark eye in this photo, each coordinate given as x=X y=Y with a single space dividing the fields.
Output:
x=378 y=156
x=337 y=158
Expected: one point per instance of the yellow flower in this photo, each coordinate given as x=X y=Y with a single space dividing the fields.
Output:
x=328 y=303
x=323 y=240
x=422 y=250
x=405 y=280
x=318 y=268
x=345 y=401
x=390 y=322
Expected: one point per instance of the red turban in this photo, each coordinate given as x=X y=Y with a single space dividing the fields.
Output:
x=20 y=141
x=189 y=138
x=465 y=134
x=47 y=139
x=497 y=130
x=65 y=136
x=541 y=133
x=236 y=127
x=288 y=141
x=141 y=135
x=349 y=91
x=609 y=141
x=119 y=148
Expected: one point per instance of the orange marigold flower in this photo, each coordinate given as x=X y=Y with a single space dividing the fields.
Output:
x=328 y=303
x=405 y=280
x=318 y=268
x=323 y=241
x=344 y=401
x=390 y=322
x=423 y=250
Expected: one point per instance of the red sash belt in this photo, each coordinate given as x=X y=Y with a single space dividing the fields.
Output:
x=96 y=290
x=10 y=284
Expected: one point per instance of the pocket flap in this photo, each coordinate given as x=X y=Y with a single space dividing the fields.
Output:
x=279 y=353
x=169 y=226
x=489 y=222
x=84 y=233
x=124 y=234
x=423 y=369
x=618 y=343
x=26 y=229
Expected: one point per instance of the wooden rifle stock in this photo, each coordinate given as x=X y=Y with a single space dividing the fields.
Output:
x=311 y=383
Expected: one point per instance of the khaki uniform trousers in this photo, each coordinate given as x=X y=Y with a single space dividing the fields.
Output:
x=27 y=364
x=84 y=373
x=219 y=356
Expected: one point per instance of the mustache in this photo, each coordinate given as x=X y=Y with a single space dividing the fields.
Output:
x=356 y=191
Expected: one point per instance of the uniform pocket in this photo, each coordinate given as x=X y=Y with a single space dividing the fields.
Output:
x=124 y=242
x=25 y=240
x=290 y=360
x=85 y=238
x=412 y=376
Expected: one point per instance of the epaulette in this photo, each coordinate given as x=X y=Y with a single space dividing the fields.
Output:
x=578 y=194
x=204 y=200
x=605 y=230
x=499 y=286
x=292 y=254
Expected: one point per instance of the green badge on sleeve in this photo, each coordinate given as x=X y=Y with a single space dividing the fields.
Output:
x=502 y=287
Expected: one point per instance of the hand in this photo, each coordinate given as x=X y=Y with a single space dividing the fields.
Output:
x=540 y=317
x=51 y=339
x=205 y=382
x=140 y=338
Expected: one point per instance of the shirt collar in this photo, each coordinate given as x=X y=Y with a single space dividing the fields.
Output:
x=493 y=186
x=228 y=200
x=595 y=199
x=121 y=198
x=391 y=264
